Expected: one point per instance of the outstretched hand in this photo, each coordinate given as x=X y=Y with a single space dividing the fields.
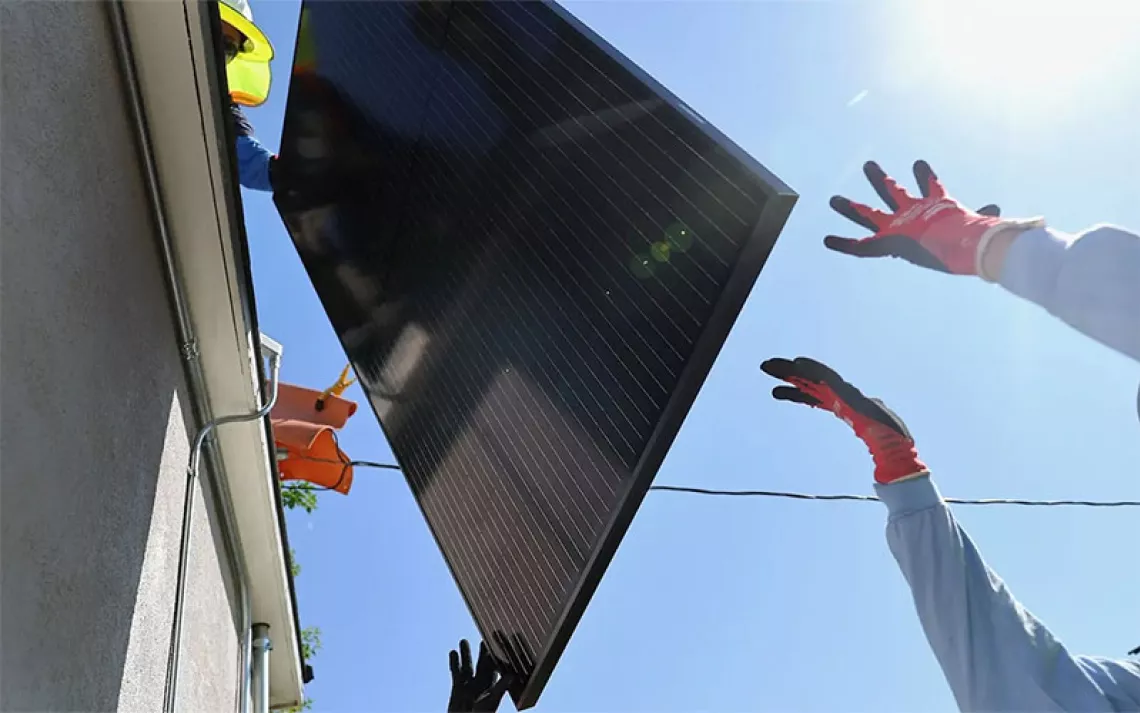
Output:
x=478 y=688
x=819 y=386
x=933 y=231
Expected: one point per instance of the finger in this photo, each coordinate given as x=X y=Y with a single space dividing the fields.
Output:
x=870 y=218
x=817 y=371
x=823 y=374
x=453 y=664
x=465 y=658
x=485 y=665
x=782 y=369
x=791 y=393
x=991 y=210
x=863 y=247
x=888 y=188
x=889 y=418
x=833 y=386
x=928 y=182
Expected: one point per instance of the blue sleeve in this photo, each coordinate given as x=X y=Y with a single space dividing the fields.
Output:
x=995 y=655
x=253 y=158
x=1090 y=281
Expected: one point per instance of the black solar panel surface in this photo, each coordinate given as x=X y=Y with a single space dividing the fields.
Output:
x=532 y=254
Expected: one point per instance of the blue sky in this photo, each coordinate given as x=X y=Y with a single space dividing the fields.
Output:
x=773 y=605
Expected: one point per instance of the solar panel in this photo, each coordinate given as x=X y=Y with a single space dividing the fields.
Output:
x=532 y=254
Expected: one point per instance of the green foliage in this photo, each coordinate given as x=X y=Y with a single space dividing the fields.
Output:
x=303 y=496
x=306 y=705
x=299 y=495
x=310 y=641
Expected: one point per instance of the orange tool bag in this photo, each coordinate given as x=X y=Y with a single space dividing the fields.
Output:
x=305 y=422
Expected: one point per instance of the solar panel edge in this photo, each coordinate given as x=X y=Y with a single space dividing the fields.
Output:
x=773 y=218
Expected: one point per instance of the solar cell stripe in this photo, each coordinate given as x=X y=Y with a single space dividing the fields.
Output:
x=645 y=163
x=622 y=286
x=595 y=72
x=531 y=257
x=495 y=562
x=638 y=381
x=632 y=175
x=686 y=330
x=509 y=492
x=526 y=517
x=576 y=553
x=595 y=422
x=618 y=186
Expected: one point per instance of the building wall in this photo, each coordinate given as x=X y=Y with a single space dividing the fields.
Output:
x=95 y=414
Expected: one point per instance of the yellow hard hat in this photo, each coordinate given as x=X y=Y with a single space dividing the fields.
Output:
x=236 y=14
x=247 y=73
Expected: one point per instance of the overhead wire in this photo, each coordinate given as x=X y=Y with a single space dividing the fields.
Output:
x=872 y=498
x=768 y=493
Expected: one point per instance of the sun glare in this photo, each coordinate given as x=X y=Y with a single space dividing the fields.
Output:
x=1037 y=51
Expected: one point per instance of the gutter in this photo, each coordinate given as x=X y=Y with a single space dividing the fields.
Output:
x=212 y=19
x=188 y=346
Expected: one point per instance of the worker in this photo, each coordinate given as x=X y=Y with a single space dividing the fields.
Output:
x=479 y=688
x=248 y=53
x=995 y=655
x=1090 y=280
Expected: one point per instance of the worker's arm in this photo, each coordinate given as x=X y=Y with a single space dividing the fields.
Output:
x=1090 y=281
x=995 y=655
x=254 y=160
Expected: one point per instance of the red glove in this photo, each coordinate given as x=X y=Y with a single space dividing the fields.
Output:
x=885 y=434
x=934 y=231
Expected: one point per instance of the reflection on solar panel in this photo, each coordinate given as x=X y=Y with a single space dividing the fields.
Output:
x=532 y=254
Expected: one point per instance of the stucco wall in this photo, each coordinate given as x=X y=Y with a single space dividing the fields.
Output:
x=93 y=439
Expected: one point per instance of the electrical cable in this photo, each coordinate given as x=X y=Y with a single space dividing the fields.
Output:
x=775 y=493
x=872 y=498
x=346 y=464
x=789 y=495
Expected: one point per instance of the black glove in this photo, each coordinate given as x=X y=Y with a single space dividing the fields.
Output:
x=479 y=689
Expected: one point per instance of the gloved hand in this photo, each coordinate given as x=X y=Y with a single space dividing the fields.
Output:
x=933 y=231
x=886 y=436
x=479 y=689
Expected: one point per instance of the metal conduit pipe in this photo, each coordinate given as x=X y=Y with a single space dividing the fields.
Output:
x=196 y=387
x=259 y=675
x=175 y=652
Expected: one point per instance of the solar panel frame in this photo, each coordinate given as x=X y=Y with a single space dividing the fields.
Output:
x=778 y=201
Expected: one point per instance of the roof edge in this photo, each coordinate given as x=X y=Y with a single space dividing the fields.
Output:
x=176 y=46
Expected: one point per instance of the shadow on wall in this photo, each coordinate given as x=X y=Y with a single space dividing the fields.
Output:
x=93 y=441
